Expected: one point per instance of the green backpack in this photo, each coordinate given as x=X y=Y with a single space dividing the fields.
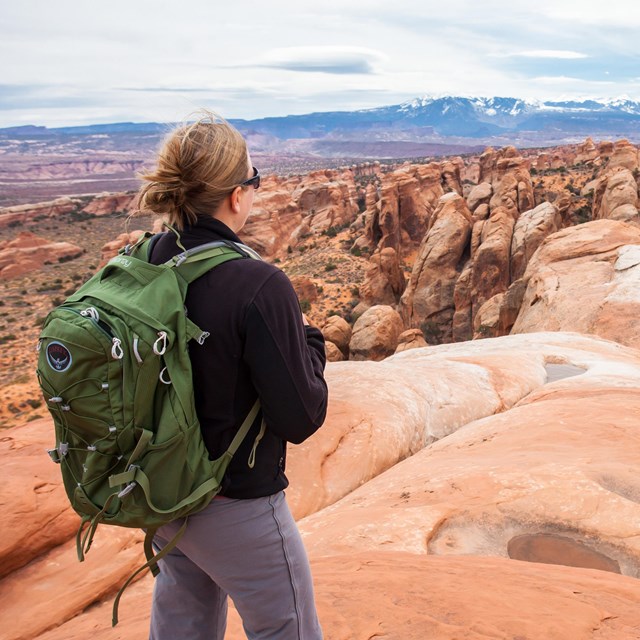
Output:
x=114 y=369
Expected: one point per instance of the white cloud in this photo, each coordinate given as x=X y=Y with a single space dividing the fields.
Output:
x=147 y=60
x=563 y=80
x=328 y=59
x=545 y=53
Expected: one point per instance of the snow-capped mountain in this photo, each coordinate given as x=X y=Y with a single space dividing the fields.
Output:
x=478 y=118
x=422 y=126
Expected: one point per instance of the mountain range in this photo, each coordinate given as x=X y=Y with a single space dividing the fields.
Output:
x=459 y=116
x=416 y=127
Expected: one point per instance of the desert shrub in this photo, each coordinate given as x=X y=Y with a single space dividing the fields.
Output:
x=582 y=214
x=68 y=258
x=305 y=305
x=431 y=332
x=55 y=286
x=330 y=266
x=80 y=216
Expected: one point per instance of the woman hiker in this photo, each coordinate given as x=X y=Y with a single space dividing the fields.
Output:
x=245 y=543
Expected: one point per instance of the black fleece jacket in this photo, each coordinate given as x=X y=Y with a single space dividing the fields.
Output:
x=258 y=347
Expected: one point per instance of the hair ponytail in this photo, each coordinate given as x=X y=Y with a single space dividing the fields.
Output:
x=198 y=165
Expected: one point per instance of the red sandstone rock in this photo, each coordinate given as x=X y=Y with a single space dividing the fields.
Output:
x=108 y=203
x=473 y=493
x=429 y=294
x=408 y=198
x=461 y=326
x=111 y=249
x=364 y=594
x=451 y=175
x=328 y=198
x=22 y=213
x=616 y=196
x=527 y=472
x=508 y=174
x=29 y=252
x=486 y=165
x=285 y=212
x=411 y=339
x=480 y=194
x=624 y=155
x=375 y=334
x=584 y=279
x=497 y=487
x=305 y=288
x=332 y=352
x=587 y=152
x=70 y=586
x=384 y=280
x=497 y=315
x=531 y=228
x=25 y=240
x=338 y=331
x=36 y=513
x=490 y=268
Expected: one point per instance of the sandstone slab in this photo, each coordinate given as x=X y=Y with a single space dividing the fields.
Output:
x=585 y=279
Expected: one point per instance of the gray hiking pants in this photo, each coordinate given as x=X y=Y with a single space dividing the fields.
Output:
x=249 y=549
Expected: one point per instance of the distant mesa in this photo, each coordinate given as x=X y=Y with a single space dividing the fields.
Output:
x=29 y=252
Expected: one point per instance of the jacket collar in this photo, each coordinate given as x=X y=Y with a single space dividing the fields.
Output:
x=207 y=229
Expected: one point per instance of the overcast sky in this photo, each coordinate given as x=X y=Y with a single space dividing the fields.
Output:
x=76 y=62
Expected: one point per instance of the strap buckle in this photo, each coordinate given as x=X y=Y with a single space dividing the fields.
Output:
x=127 y=490
x=59 y=452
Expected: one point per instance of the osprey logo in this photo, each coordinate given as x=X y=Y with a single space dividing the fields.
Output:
x=58 y=356
x=123 y=261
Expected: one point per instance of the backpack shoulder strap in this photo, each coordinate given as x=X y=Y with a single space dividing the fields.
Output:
x=193 y=263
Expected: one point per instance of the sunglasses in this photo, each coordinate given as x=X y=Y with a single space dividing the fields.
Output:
x=254 y=181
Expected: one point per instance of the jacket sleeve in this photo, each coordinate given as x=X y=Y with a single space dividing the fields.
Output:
x=286 y=360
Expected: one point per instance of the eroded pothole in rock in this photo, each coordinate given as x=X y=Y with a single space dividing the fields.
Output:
x=550 y=548
x=557 y=372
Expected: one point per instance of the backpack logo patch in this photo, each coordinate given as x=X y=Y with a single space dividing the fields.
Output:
x=58 y=356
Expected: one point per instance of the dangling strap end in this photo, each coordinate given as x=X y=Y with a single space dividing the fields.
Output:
x=152 y=564
x=148 y=552
x=79 y=543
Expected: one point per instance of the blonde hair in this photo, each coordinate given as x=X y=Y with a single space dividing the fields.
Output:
x=199 y=164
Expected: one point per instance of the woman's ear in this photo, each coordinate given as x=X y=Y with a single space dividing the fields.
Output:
x=235 y=199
